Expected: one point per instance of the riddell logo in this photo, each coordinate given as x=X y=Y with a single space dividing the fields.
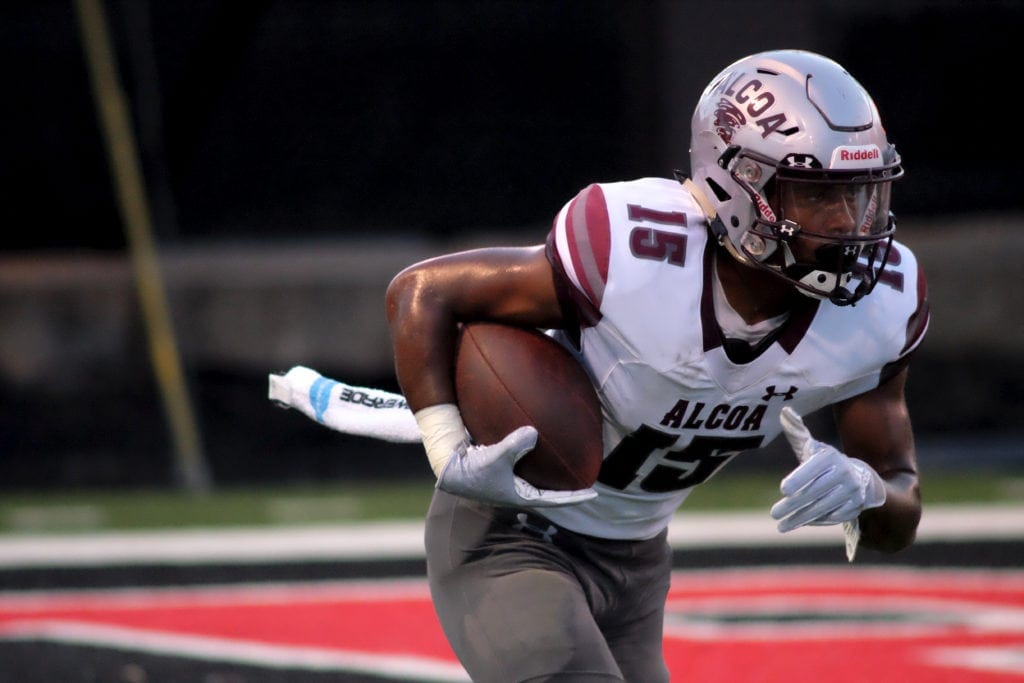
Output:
x=855 y=157
x=858 y=155
x=762 y=206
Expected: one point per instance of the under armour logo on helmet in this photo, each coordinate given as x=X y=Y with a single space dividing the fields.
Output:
x=801 y=161
x=523 y=524
x=787 y=395
x=788 y=229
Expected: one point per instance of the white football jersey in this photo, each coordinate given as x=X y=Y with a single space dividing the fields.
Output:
x=635 y=259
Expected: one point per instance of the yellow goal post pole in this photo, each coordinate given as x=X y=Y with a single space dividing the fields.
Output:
x=115 y=121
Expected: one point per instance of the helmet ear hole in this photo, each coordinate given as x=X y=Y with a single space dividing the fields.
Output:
x=719 y=191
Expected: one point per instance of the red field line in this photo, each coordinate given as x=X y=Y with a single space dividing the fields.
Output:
x=767 y=625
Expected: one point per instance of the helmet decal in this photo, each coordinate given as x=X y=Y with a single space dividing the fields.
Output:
x=728 y=118
x=856 y=156
x=764 y=208
x=801 y=161
x=750 y=97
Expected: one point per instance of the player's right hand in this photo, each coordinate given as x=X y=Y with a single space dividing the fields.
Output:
x=485 y=473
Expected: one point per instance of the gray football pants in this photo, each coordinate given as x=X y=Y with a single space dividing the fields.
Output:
x=522 y=600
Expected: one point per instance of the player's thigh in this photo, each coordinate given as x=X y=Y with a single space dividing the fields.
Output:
x=524 y=625
x=638 y=647
x=635 y=629
x=509 y=608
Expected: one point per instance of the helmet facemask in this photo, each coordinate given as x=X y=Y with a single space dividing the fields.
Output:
x=829 y=234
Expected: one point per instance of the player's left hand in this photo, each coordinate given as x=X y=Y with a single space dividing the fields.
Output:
x=828 y=487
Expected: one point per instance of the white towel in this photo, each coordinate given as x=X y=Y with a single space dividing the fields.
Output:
x=345 y=408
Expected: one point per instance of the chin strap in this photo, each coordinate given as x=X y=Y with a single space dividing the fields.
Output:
x=717 y=227
x=715 y=224
x=705 y=204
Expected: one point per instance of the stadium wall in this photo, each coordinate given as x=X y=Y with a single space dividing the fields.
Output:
x=82 y=402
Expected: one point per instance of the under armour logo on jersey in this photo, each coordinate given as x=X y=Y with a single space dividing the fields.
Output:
x=851 y=250
x=523 y=524
x=787 y=395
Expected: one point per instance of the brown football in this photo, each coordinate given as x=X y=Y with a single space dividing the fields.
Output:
x=507 y=377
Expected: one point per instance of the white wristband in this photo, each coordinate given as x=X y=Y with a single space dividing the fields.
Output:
x=443 y=431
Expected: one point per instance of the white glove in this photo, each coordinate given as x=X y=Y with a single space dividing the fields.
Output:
x=485 y=472
x=828 y=487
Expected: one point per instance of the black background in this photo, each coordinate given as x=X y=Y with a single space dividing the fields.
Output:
x=314 y=118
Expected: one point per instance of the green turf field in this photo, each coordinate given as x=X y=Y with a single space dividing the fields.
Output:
x=338 y=503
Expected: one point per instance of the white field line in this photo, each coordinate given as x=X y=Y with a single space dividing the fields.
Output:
x=938 y=523
x=404 y=540
x=1000 y=659
x=403 y=667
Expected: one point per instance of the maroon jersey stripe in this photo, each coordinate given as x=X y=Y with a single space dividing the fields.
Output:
x=918 y=322
x=588 y=232
x=708 y=321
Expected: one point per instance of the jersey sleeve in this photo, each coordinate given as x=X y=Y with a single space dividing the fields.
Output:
x=915 y=328
x=578 y=247
x=917 y=325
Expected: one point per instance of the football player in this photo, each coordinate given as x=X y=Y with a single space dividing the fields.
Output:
x=712 y=311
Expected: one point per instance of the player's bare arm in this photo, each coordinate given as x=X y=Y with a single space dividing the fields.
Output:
x=425 y=302
x=875 y=427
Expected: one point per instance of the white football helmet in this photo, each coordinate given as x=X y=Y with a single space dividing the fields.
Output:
x=791 y=116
